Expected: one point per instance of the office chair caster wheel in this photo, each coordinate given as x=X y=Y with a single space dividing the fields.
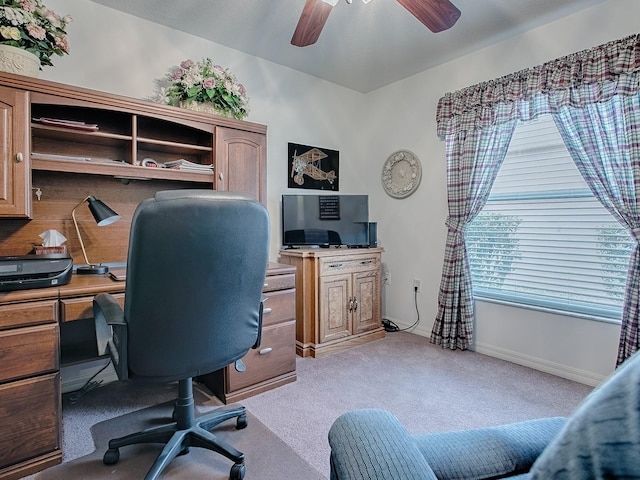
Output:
x=111 y=456
x=237 y=472
x=241 y=422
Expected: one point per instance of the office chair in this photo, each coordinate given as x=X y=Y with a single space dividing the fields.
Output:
x=193 y=304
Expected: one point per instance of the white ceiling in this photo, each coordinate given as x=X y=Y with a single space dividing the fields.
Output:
x=362 y=47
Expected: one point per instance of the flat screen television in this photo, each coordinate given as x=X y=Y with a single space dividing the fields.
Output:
x=325 y=220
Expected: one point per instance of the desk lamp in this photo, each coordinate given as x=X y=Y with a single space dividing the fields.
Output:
x=103 y=216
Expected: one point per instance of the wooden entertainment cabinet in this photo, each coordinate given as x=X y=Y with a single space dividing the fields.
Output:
x=338 y=299
x=47 y=169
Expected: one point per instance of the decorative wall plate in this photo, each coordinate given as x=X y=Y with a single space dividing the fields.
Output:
x=401 y=174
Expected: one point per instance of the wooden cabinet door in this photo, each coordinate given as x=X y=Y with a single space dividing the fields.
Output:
x=366 y=290
x=240 y=164
x=15 y=187
x=335 y=316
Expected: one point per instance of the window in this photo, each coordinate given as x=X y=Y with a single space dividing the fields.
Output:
x=543 y=240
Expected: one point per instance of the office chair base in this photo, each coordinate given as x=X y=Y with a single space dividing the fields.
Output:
x=185 y=432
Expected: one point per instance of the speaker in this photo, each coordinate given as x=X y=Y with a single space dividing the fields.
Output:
x=373 y=234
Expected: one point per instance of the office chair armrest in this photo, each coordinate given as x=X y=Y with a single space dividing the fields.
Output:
x=260 y=314
x=111 y=332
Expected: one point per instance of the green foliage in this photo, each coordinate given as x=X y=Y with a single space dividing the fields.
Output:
x=614 y=242
x=492 y=248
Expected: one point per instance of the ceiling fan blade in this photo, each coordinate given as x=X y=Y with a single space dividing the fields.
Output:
x=436 y=15
x=314 y=16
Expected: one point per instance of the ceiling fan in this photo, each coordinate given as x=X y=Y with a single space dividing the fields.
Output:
x=436 y=15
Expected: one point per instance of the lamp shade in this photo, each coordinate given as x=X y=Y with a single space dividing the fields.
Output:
x=102 y=213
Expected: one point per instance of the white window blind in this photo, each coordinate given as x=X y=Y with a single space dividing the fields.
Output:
x=543 y=239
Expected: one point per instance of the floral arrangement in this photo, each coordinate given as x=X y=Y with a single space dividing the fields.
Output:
x=205 y=83
x=29 y=25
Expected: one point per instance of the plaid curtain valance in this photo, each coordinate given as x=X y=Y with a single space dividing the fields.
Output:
x=589 y=76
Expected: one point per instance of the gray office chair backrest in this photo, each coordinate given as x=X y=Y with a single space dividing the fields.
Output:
x=195 y=273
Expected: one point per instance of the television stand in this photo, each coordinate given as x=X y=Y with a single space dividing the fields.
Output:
x=338 y=299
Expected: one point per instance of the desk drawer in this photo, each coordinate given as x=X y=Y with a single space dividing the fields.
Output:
x=81 y=308
x=28 y=351
x=349 y=264
x=29 y=424
x=279 y=282
x=280 y=306
x=24 y=314
x=275 y=356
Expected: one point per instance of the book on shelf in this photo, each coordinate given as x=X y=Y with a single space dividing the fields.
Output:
x=183 y=164
x=58 y=122
x=73 y=158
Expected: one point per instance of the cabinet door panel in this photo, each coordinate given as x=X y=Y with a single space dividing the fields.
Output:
x=15 y=189
x=366 y=291
x=241 y=162
x=335 y=317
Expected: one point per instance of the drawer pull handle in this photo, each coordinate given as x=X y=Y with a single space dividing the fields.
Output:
x=366 y=262
x=267 y=310
x=240 y=366
x=335 y=265
x=264 y=351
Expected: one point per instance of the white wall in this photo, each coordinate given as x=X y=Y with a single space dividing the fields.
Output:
x=122 y=54
x=579 y=349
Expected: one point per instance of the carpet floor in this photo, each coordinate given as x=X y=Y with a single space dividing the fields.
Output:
x=430 y=389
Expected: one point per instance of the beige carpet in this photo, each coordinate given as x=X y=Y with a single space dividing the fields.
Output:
x=267 y=457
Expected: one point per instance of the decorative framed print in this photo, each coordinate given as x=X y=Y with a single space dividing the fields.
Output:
x=401 y=174
x=313 y=167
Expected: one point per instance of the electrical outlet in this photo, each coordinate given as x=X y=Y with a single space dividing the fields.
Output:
x=387 y=278
x=416 y=285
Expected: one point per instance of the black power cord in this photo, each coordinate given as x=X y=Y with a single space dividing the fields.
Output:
x=89 y=385
x=390 y=326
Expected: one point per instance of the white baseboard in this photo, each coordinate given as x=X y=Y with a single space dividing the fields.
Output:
x=74 y=377
x=558 y=369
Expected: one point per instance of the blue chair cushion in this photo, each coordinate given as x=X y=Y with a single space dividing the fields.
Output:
x=489 y=452
x=602 y=438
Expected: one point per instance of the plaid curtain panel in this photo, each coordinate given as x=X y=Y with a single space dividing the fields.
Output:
x=473 y=161
x=604 y=142
x=593 y=96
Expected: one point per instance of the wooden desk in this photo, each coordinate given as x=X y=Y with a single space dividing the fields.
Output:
x=38 y=335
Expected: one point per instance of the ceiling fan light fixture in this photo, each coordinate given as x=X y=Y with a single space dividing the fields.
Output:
x=365 y=1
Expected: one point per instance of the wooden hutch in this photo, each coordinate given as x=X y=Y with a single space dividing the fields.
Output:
x=46 y=169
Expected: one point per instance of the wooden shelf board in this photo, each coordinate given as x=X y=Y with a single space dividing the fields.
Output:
x=120 y=170
x=170 y=146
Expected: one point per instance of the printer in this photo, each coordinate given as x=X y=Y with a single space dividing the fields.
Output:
x=34 y=271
